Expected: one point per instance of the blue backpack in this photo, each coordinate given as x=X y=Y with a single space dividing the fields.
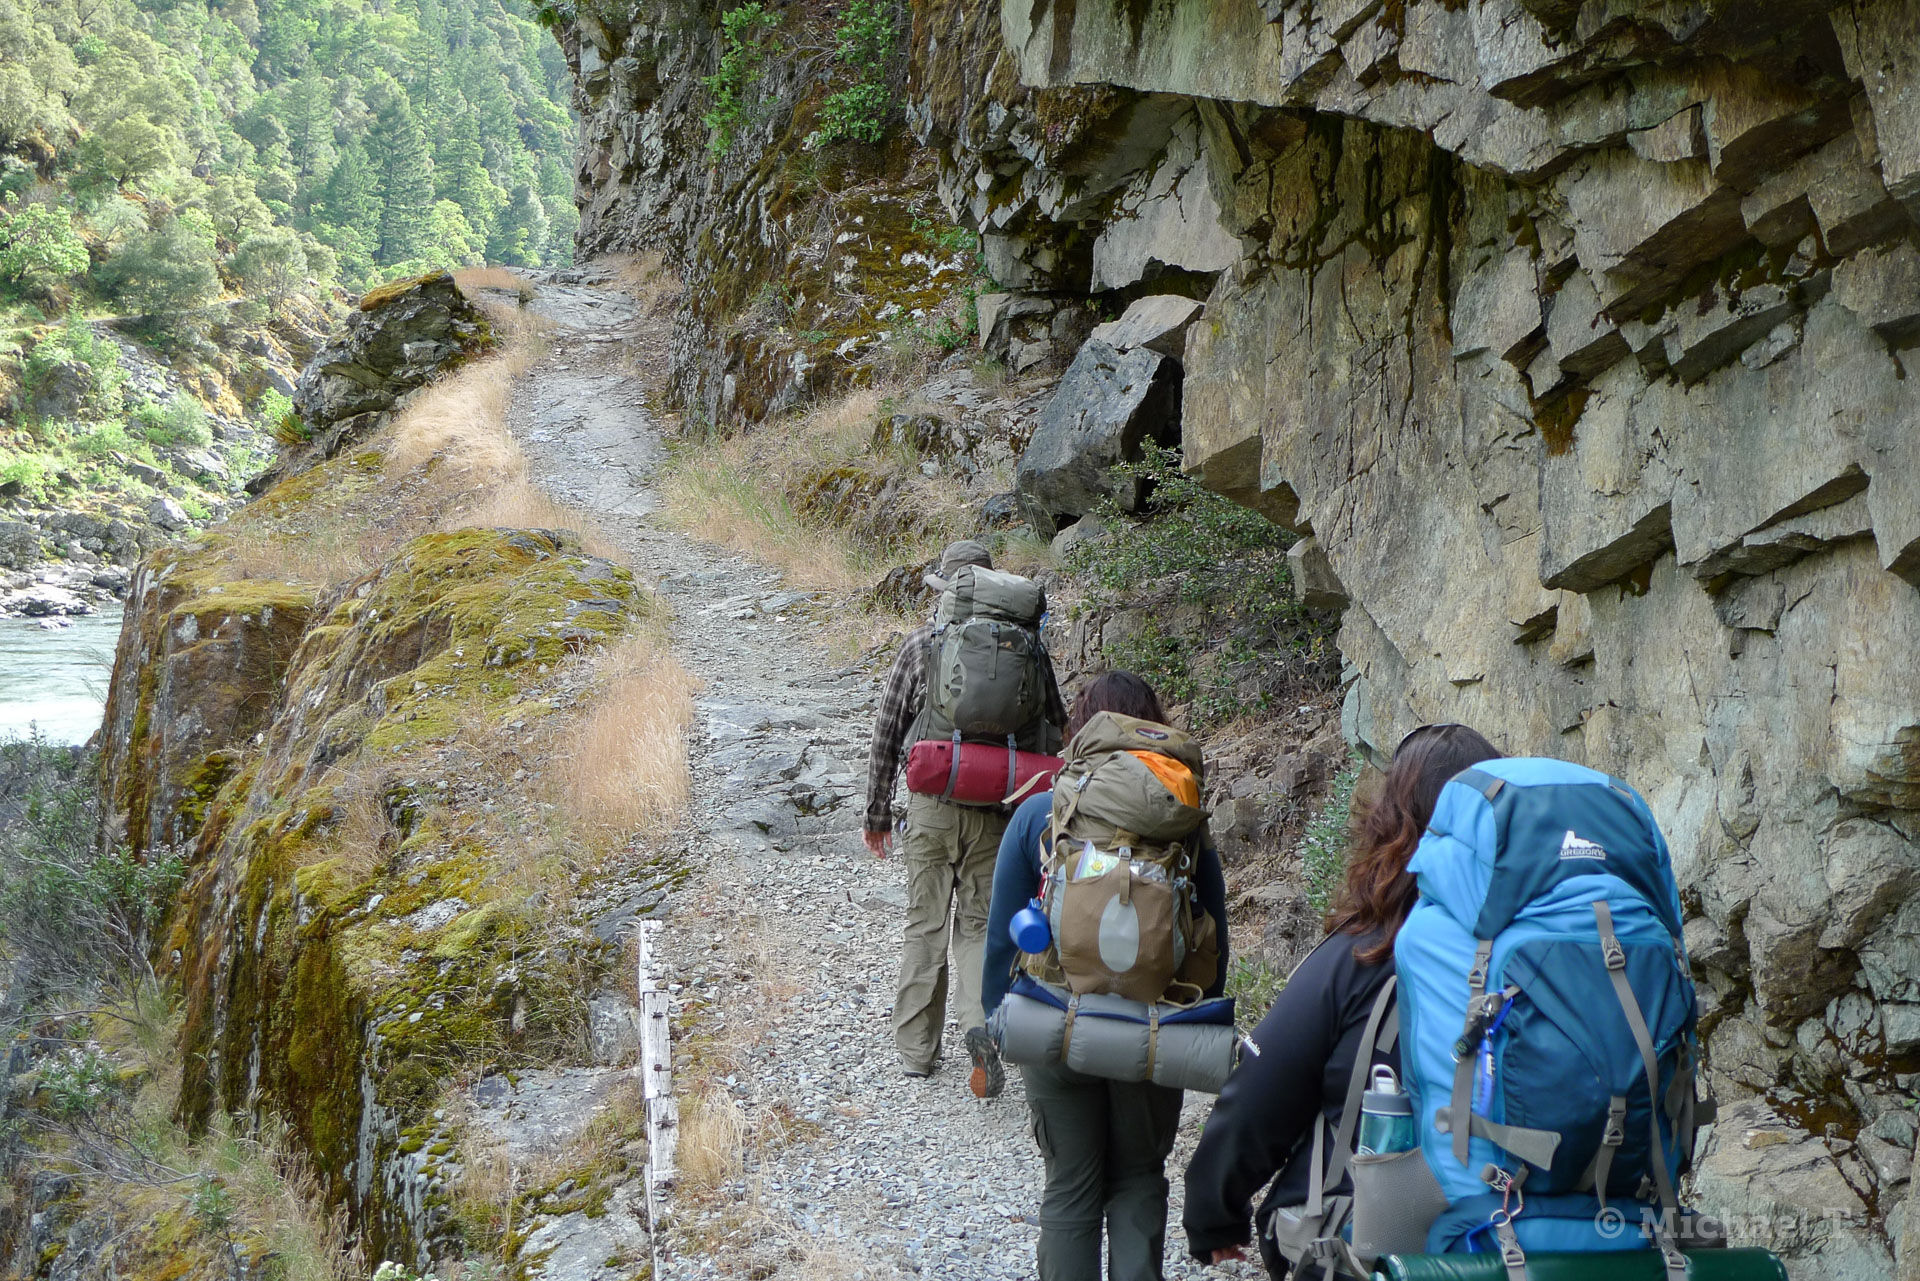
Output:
x=1547 y=1015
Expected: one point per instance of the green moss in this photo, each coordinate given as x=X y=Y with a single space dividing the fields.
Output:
x=469 y=930
x=380 y=295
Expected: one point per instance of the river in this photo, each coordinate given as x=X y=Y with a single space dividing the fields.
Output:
x=56 y=679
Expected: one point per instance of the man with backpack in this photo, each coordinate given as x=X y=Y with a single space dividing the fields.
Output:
x=994 y=698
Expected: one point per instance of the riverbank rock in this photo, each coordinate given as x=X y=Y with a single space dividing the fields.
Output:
x=19 y=545
x=43 y=600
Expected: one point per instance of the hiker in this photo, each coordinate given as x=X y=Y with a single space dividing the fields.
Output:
x=949 y=845
x=1308 y=1041
x=1104 y=1142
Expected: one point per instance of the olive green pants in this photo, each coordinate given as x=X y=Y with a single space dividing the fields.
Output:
x=949 y=851
x=1105 y=1144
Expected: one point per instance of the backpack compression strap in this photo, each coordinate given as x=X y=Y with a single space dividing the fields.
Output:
x=1332 y=1254
x=1458 y=1118
x=1616 y=957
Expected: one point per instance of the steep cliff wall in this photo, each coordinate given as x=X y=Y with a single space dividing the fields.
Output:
x=1577 y=337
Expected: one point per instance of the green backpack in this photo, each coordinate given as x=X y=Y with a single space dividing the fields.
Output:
x=986 y=680
x=1126 y=832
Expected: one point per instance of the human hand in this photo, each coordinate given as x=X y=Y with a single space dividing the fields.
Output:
x=879 y=844
x=1233 y=1253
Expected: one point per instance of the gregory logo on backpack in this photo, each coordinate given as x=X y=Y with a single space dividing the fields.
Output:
x=1577 y=847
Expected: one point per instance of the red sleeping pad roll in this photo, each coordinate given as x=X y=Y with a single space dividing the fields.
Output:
x=977 y=773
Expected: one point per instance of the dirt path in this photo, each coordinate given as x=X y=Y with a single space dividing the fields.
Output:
x=785 y=942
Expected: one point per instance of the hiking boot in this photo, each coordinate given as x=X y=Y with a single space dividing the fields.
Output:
x=989 y=1077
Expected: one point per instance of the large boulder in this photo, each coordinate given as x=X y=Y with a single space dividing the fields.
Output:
x=1158 y=322
x=61 y=391
x=400 y=336
x=19 y=544
x=1108 y=403
x=44 y=600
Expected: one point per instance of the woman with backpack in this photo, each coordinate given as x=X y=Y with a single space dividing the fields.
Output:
x=1261 y=1129
x=1105 y=1143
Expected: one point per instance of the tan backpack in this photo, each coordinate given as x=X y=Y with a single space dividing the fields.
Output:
x=1126 y=833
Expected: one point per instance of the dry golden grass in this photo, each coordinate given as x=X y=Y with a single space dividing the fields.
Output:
x=646 y=278
x=363 y=835
x=821 y=1258
x=713 y=1141
x=473 y=279
x=461 y=420
x=326 y=553
x=519 y=504
x=625 y=761
x=741 y=493
x=253 y=1174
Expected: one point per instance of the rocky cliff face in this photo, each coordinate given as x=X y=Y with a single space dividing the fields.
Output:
x=1577 y=338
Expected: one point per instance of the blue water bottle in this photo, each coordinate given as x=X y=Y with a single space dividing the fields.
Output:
x=1030 y=930
x=1386 y=1116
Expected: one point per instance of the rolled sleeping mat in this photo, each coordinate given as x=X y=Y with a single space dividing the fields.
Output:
x=1181 y=1056
x=1030 y=1032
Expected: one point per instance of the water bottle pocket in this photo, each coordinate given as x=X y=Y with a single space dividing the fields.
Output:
x=1395 y=1200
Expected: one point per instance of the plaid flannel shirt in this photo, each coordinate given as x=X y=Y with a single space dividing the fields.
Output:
x=900 y=700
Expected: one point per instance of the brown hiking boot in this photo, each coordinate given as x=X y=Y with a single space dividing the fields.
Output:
x=988 y=1077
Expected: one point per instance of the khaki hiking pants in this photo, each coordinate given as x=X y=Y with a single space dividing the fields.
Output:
x=949 y=852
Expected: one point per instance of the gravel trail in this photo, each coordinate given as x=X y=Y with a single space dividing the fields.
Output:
x=784 y=944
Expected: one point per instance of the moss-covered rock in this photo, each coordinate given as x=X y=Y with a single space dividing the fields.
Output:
x=342 y=985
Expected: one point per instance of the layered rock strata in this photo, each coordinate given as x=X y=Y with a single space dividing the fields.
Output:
x=1577 y=340
x=1575 y=337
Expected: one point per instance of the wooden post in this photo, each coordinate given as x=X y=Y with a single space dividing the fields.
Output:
x=656 y=1084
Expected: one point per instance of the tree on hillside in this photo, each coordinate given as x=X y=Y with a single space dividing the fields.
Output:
x=233 y=207
x=451 y=240
x=270 y=264
x=38 y=75
x=460 y=175
x=38 y=246
x=167 y=273
x=522 y=232
x=403 y=178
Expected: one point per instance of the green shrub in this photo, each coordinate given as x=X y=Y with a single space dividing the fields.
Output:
x=1253 y=984
x=76 y=343
x=1225 y=635
x=181 y=421
x=747 y=33
x=79 y=1081
x=102 y=439
x=1323 y=846
x=867 y=48
x=72 y=914
x=31 y=471
x=38 y=245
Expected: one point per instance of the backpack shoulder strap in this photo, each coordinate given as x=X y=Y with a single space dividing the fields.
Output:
x=1382 y=1030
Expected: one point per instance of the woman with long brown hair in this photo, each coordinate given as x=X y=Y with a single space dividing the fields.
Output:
x=1261 y=1130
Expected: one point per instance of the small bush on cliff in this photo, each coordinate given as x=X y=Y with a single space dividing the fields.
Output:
x=747 y=34
x=72 y=914
x=867 y=47
x=1219 y=628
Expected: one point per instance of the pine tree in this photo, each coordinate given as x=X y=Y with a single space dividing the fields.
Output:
x=460 y=175
x=522 y=231
x=404 y=172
